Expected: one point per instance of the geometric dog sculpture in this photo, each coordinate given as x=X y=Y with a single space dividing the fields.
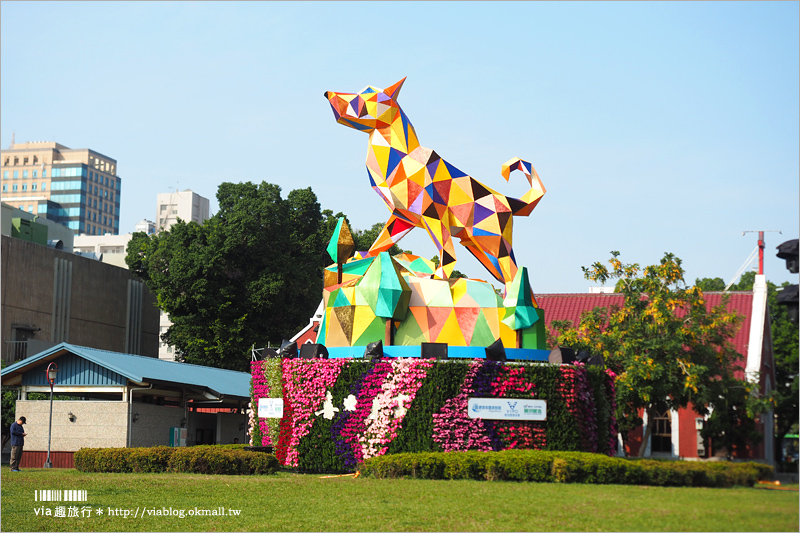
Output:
x=423 y=190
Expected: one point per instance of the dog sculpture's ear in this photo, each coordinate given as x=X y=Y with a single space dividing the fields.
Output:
x=394 y=90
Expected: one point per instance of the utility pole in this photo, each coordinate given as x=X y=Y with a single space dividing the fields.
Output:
x=761 y=248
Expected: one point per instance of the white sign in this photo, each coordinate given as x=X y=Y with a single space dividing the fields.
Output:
x=270 y=408
x=507 y=409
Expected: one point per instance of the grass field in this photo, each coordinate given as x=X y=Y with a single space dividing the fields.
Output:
x=294 y=502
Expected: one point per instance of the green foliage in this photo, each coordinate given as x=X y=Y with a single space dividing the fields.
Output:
x=416 y=432
x=317 y=450
x=665 y=346
x=564 y=467
x=228 y=460
x=250 y=275
x=785 y=352
x=272 y=372
x=563 y=432
x=9 y=407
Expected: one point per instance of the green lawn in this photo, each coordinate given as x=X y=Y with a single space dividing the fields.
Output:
x=294 y=502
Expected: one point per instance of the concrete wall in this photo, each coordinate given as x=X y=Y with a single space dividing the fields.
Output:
x=228 y=427
x=104 y=425
x=154 y=421
x=98 y=302
x=97 y=424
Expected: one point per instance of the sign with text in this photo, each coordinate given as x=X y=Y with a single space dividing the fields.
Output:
x=270 y=408
x=507 y=409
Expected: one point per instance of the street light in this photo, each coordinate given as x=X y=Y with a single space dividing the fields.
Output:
x=52 y=370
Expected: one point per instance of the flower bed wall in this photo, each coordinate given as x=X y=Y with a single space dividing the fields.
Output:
x=340 y=412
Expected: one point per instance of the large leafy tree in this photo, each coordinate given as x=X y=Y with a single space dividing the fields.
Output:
x=785 y=351
x=666 y=347
x=251 y=274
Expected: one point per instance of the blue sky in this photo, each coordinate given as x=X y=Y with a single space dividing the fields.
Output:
x=655 y=126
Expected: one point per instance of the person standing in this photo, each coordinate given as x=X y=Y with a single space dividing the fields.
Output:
x=17 y=443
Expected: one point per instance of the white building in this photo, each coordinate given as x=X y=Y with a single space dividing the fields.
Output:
x=186 y=205
x=145 y=226
x=107 y=248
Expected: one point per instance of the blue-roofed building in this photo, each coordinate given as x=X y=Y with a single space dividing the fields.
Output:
x=124 y=400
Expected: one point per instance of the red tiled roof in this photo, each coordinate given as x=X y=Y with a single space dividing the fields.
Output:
x=570 y=307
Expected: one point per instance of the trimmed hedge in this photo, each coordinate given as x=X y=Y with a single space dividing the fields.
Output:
x=564 y=467
x=227 y=460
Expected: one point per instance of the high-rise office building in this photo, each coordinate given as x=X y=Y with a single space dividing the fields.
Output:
x=77 y=188
x=186 y=205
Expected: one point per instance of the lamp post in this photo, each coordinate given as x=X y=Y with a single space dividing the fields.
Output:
x=52 y=370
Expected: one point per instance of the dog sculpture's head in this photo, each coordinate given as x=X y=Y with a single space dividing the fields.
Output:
x=370 y=109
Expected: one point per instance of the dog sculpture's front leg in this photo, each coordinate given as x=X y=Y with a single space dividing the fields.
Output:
x=395 y=229
x=439 y=232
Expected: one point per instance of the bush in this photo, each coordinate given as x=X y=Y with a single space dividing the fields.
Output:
x=564 y=467
x=228 y=460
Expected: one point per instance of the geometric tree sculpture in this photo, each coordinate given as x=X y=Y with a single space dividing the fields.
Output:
x=341 y=245
x=521 y=312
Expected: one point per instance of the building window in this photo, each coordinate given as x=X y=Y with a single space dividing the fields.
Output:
x=30 y=209
x=24 y=186
x=24 y=174
x=16 y=174
x=5 y=174
x=5 y=162
x=14 y=189
x=44 y=173
x=16 y=161
x=33 y=186
x=24 y=160
x=95 y=203
x=35 y=160
x=44 y=185
x=661 y=439
x=35 y=173
x=5 y=188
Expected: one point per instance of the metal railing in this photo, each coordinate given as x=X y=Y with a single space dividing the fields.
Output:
x=15 y=351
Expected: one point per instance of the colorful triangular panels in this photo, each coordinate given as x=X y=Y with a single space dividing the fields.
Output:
x=423 y=190
x=407 y=300
x=459 y=312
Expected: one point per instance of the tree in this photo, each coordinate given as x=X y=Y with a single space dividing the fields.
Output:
x=667 y=349
x=785 y=353
x=251 y=274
